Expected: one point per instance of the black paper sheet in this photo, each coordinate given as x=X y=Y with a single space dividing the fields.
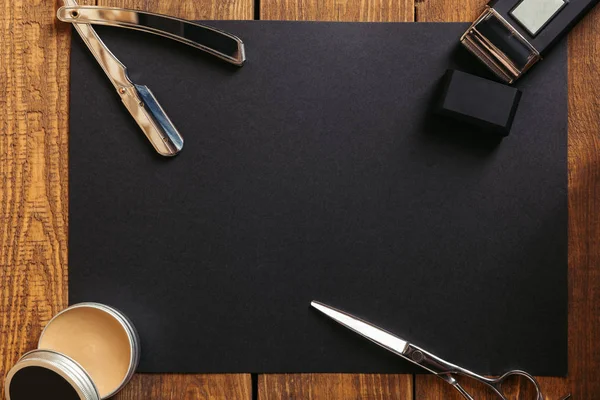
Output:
x=317 y=171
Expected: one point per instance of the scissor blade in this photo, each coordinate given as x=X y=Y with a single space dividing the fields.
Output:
x=365 y=329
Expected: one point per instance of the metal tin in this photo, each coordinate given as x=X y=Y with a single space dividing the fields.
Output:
x=70 y=369
x=65 y=367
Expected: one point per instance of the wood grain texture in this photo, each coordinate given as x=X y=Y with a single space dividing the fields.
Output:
x=34 y=71
x=187 y=387
x=190 y=9
x=34 y=101
x=584 y=208
x=584 y=217
x=335 y=386
x=448 y=10
x=338 y=10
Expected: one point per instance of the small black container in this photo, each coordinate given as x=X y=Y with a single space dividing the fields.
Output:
x=481 y=102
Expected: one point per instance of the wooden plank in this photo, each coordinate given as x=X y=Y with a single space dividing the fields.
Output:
x=334 y=386
x=190 y=9
x=188 y=387
x=584 y=218
x=448 y=10
x=335 y=10
x=34 y=74
x=584 y=208
x=193 y=386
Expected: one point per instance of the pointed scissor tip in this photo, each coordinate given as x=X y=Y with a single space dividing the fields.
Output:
x=331 y=312
x=567 y=397
x=318 y=305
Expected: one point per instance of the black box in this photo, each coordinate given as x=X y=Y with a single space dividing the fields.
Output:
x=478 y=101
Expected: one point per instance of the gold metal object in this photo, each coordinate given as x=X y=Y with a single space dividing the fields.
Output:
x=491 y=55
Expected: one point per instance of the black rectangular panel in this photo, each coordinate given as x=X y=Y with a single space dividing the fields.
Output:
x=318 y=171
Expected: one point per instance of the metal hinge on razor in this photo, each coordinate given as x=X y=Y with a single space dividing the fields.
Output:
x=138 y=99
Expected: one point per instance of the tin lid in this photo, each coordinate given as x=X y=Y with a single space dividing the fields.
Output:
x=48 y=374
x=76 y=338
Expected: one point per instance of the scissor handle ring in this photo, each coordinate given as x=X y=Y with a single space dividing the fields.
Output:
x=500 y=380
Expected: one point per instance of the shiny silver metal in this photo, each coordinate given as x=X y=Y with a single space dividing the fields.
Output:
x=420 y=357
x=214 y=41
x=138 y=99
x=132 y=335
x=60 y=364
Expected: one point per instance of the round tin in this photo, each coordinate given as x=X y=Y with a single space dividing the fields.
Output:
x=61 y=375
x=69 y=369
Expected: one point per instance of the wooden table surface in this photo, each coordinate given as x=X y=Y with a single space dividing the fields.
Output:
x=34 y=99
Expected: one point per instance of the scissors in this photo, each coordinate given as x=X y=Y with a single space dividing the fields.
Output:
x=138 y=99
x=423 y=358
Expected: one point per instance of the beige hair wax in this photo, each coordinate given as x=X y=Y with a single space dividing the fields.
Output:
x=89 y=346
